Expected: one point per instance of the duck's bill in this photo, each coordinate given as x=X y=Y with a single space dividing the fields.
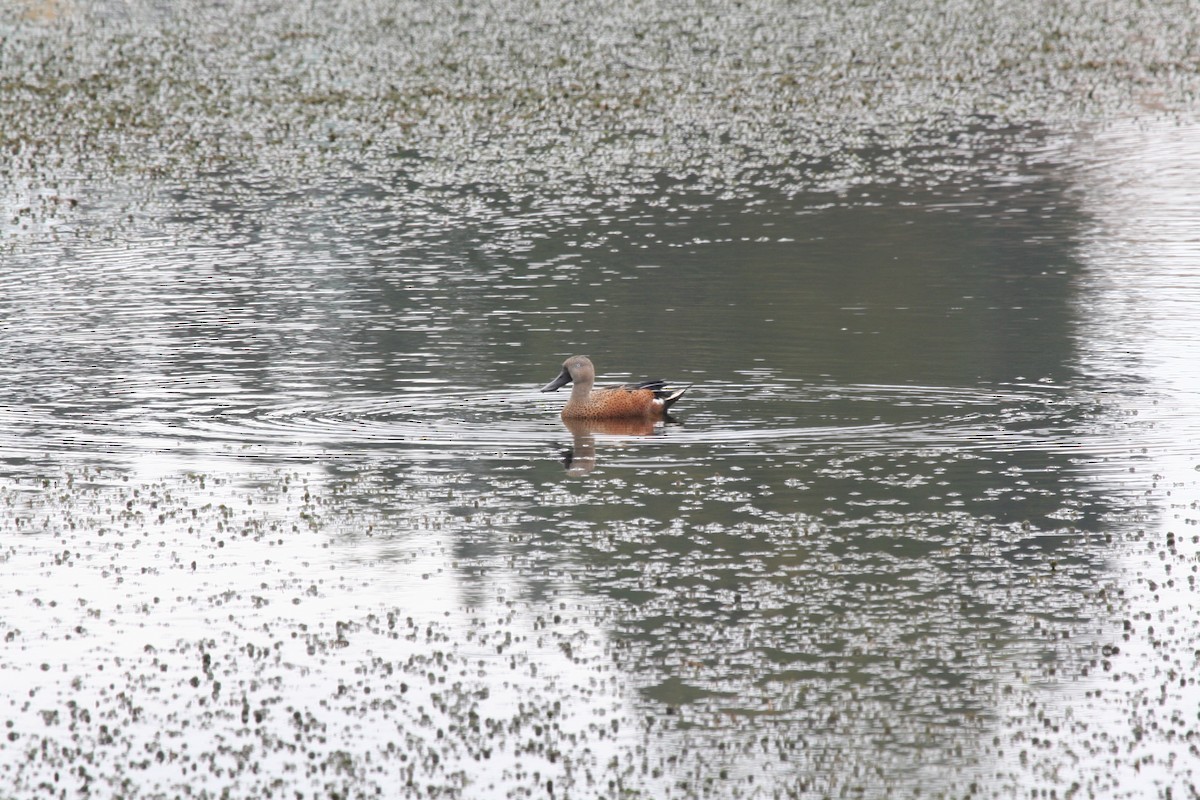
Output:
x=563 y=379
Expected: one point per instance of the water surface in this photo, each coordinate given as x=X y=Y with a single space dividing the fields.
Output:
x=282 y=510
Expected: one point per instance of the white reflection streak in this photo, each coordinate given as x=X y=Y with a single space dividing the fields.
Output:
x=1139 y=306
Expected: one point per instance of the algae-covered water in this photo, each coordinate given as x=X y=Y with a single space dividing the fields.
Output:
x=283 y=514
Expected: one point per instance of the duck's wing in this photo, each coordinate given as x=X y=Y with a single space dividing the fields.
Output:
x=662 y=389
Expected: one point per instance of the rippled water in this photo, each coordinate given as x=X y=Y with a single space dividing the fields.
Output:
x=283 y=512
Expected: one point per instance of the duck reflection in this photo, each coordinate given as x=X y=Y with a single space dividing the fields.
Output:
x=580 y=459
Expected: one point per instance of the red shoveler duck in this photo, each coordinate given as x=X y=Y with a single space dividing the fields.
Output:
x=646 y=400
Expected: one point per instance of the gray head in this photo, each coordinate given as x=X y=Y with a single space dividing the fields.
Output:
x=577 y=370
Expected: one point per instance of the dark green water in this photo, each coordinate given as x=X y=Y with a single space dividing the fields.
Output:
x=283 y=513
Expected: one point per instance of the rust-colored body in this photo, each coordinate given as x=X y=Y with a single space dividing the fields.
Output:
x=617 y=402
x=646 y=400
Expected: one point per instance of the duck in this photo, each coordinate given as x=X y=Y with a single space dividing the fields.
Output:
x=646 y=400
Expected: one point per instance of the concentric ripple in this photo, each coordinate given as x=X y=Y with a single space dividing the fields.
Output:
x=515 y=422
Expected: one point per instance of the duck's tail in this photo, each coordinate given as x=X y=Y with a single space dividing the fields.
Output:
x=670 y=395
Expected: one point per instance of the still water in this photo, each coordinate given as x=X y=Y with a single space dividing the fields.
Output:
x=283 y=513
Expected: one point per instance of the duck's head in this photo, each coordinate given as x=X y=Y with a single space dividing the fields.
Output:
x=577 y=370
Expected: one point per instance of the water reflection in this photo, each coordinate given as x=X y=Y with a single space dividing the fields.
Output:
x=891 y=507
x=1137 y=333
x=581 y=458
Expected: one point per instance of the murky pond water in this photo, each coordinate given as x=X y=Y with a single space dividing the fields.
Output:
x=283 y=513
